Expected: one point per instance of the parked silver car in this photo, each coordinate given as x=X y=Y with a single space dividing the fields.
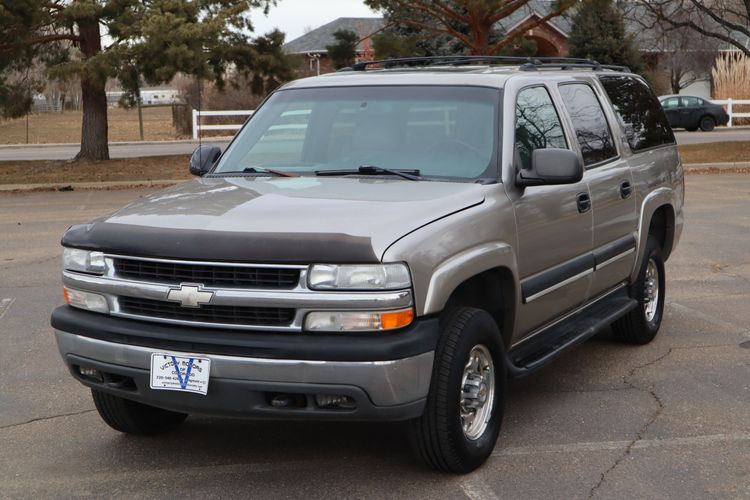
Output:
x=389 y=242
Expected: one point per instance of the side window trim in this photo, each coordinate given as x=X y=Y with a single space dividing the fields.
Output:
x=607 y=120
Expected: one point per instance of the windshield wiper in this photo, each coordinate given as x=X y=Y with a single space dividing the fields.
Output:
x=260 y=170
x=263 y=170
x=412 y=175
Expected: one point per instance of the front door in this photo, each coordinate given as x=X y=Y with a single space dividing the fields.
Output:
x=671 y=107
x=554 y=223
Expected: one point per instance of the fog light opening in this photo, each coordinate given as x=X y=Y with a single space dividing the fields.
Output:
x=90 y=374
x=335 y=402
x=286 y=400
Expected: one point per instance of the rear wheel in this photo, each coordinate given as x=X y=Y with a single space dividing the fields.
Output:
x=641 y=325
x=464 y=409
x=131 y=417
x=707 y=123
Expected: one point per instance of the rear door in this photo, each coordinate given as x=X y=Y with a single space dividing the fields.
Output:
x=610 y=183
x=691 y=110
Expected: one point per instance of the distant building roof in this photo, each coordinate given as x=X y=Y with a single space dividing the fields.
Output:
x=317 y=39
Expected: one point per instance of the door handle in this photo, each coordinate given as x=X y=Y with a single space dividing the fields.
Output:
x=626 y=189
x=584 y=202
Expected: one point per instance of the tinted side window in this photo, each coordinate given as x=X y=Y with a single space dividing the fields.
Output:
x=691 y=102
x=537 y=124
x=639 y=111
x=592 y=130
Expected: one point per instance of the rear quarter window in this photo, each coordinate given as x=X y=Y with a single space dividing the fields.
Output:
x=639 y=112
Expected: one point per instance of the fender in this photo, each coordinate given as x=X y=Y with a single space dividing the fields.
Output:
x=654 y=200
x=462 y=266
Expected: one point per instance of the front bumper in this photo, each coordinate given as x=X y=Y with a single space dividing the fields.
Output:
x=391 y=385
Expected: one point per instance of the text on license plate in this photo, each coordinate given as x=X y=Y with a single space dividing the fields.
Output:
x=180 y=372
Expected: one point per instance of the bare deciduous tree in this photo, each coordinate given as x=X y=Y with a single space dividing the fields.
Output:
x=726 y=21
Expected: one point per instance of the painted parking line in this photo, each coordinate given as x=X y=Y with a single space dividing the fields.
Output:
x=5 y=305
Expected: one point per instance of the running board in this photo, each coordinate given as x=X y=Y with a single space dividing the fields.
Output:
x=537 y=352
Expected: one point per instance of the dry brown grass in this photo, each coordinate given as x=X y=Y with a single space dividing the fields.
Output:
x=731 y=78
x=126 y=169
x=46 y=128
x=175 y=167
x=716 y=152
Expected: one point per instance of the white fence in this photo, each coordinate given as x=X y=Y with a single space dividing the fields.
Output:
x=728 y=103
x=197 y=127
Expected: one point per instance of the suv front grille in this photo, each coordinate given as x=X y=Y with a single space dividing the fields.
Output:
x=209 y=275
x=230 y=315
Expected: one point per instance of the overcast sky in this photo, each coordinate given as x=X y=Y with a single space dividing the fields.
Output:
x=294 y=16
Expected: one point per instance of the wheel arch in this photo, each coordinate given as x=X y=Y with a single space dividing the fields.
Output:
x=484 y=277
x=657 y=218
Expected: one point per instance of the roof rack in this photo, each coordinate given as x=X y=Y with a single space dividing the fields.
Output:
x=525 y=63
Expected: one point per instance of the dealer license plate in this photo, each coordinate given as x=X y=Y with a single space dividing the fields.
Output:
x=180 y=372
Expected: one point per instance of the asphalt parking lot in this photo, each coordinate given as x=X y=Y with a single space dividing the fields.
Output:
x=667 y=420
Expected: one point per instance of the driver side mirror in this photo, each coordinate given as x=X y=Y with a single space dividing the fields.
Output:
x=551 y=166
x=203 y=159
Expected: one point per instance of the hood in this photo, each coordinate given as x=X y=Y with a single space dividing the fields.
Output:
x=284 y=219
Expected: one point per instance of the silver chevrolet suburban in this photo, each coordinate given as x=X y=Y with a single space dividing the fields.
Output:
x=388 y=242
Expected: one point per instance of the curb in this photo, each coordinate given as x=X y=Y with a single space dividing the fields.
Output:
x=716 y=166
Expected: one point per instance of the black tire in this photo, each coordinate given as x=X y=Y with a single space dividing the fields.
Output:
x=707 y=123
x=437 y=436
x=636 y=327
x=691 y=129
x=132 y=417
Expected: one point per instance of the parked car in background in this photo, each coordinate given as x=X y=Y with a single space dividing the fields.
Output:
x=692 y=113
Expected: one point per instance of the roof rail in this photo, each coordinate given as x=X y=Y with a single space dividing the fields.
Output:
x=525 y=63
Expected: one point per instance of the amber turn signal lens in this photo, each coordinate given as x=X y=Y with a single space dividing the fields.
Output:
x=396 y=319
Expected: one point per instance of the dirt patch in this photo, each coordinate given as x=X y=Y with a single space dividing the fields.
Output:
x=51 y=128
x=125 y=169
x=715 y=152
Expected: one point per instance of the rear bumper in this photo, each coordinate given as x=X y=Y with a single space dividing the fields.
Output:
x=243 y=385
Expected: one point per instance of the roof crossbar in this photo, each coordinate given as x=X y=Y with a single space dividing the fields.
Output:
x=525 y=63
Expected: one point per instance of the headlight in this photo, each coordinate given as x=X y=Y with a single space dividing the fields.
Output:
x=83 y=261
x=86 y=300
x=357 y=321
x=359 y=277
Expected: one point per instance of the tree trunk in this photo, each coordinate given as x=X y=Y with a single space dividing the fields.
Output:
x=94 y=141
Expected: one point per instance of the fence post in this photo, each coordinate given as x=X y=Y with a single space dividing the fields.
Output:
x=195 y=124
x=729 y=111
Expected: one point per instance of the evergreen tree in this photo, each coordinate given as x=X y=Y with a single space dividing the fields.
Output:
x=598 y=33
x=129 y=40
x=344 y=51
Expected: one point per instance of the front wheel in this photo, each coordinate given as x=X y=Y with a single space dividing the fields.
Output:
x=132 y=417
x=464 y=409
x=641 y=325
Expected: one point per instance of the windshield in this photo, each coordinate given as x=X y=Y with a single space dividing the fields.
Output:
x=440 y=131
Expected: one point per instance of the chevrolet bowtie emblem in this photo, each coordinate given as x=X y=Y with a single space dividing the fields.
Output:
x=190 y=295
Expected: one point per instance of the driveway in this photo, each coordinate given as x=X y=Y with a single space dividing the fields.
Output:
x=666 y=420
